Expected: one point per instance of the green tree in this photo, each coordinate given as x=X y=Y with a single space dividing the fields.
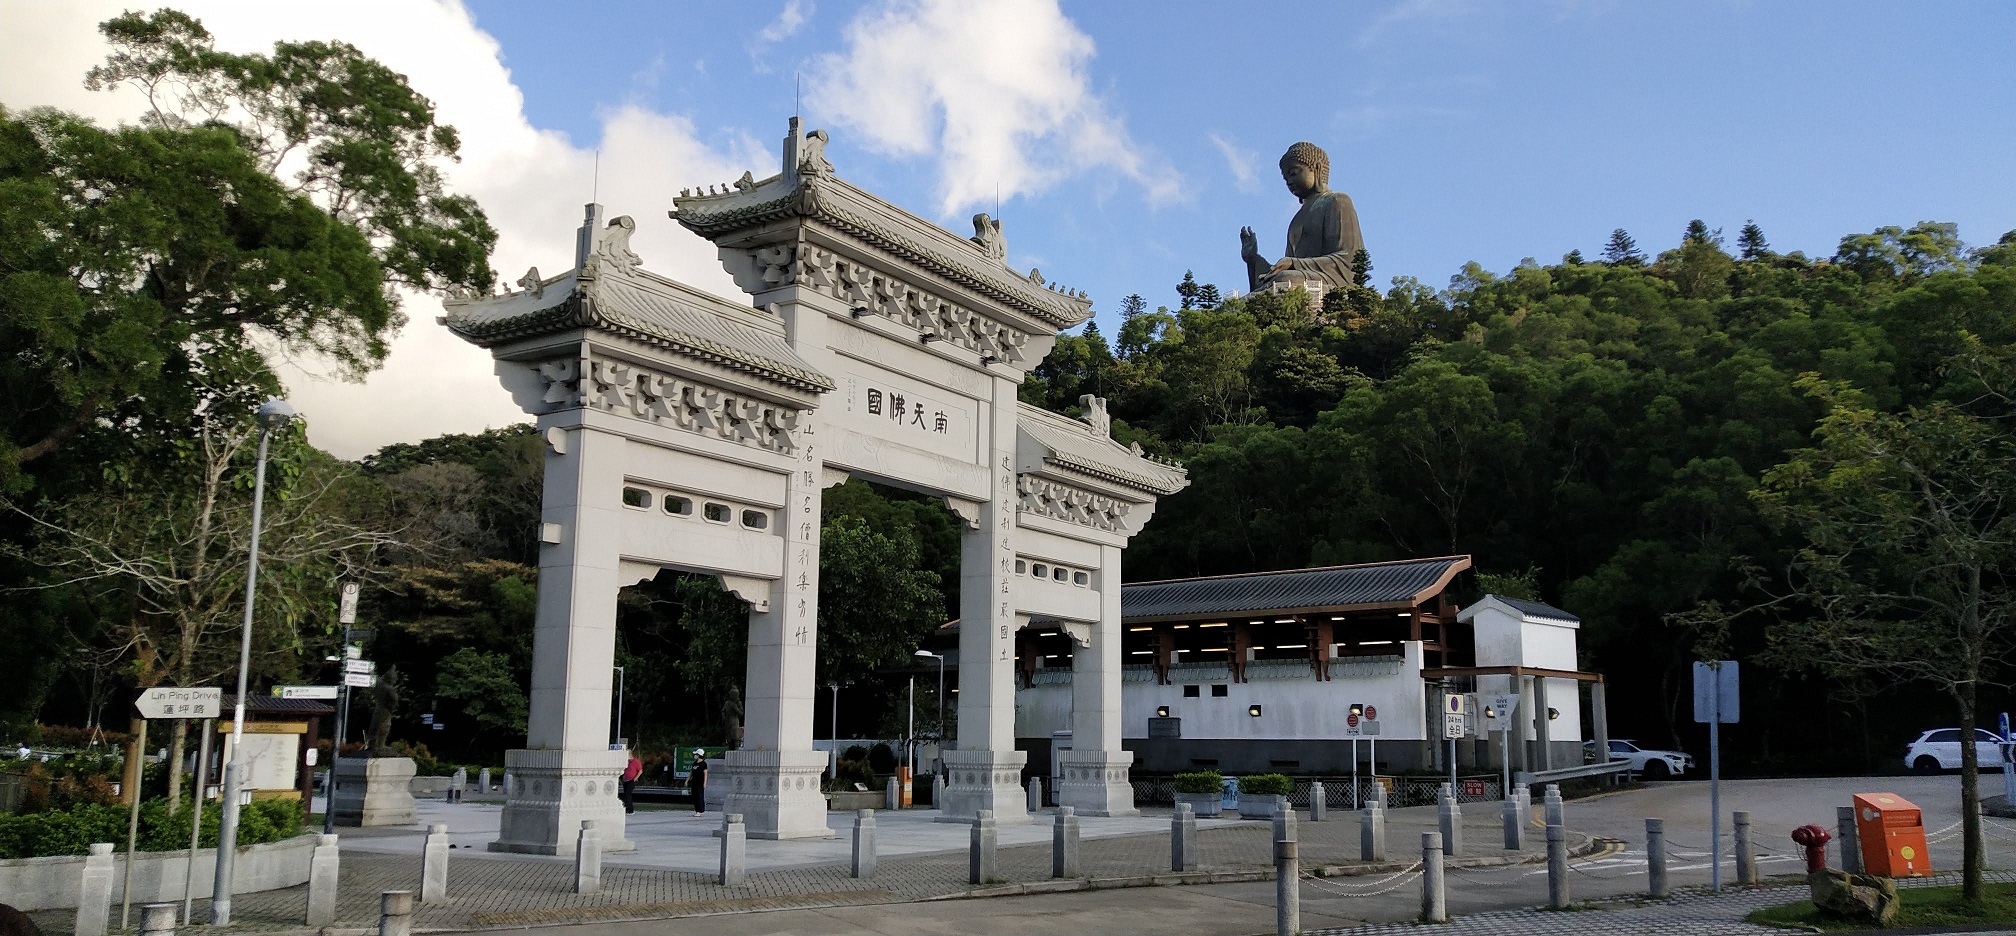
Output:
x=1188 y=291
x=1750 y=241
x=489 y=688
x=1621 y=250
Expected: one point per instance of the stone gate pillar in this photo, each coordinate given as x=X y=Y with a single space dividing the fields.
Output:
x=1095 y=770
x=985 y=772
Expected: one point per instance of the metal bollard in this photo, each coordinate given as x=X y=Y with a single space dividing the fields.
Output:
x=434 y=865
x=588 y=859
x=1064 y=844
x=1318 y=802
x=1372 y=832
x=864 y=844
x=982 y=864
x=1655 y=858
x=158 y=918
x=1851 y=850
x=1434 y=899
x=1515 y=830
x=1557 y=867
x=1746 y=854
x=1183 y=839
x=1449 y=816
x=395 y=913
x=1287 y=872
x=94 y=895
x=323 y=867
x=892 y=795
x=734 y=850
x=1557 y=813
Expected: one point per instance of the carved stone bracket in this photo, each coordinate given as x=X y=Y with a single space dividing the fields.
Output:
x=964 y=509
x=1046 y=498
x=883 y=295
x=753 y=590
x=623 y=387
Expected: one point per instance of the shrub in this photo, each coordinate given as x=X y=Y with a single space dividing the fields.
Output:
x=71 y=831
x=1202 y=781
x=425 y=764
x=850 y=772
x=881 y=758
x=64 y=736
x=1266 y=784
x=854 y=752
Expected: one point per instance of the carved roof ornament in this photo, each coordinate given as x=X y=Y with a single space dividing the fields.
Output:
x=613 y=250
x=812 y=153
x=987 y=233
x=532 y=283
x=1095 y=414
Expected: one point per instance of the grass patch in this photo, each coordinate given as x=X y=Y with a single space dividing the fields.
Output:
x=1917 y=906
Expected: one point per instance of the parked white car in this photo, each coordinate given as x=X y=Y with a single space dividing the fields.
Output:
x=1939 y=749
x=1646 y=763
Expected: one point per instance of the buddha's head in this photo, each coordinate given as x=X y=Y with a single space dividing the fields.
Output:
x=1306 y=169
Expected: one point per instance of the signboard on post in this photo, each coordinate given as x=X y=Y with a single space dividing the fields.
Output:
x=1716 y=703
x=178 y=702
x=304 y=692
x=359 y=666
x=360 y=680
x=1452 y=716
x=346 y=609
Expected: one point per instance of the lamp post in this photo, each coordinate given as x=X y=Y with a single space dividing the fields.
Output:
x=833 y=756
x=274 y=414
x=619 y=707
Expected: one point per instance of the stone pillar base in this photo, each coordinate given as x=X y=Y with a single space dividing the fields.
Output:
x=552 y=791
x=985 y=780
x=777 y=793
x=1096 y=783
x=374 y=791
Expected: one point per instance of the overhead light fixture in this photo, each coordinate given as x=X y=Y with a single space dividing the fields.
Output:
x=1374 y=643
x=1216 y=649
x=1284 y=620
x=1181 y=626
x=1253 y=710
x=1337 y=617
x=1139 y=652
x=1140 y=628
x=1405 y=614
x=1219 y=624
x=1490 y=712
x=1161 y=711
x=1291 y=646
x=1553 y=713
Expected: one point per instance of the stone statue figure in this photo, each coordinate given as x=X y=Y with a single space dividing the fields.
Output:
x=1322 y=237
x=731 y=716
x=384 y=705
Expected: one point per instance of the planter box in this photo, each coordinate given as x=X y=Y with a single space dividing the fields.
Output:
x=1258 y=805
x=1205 y=805
x=53 y=883
x=851 y=800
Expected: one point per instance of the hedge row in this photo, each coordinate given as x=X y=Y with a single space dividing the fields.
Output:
x=71 y=831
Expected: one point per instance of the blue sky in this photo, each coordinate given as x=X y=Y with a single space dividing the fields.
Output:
x=1463 y=131
x=1129 y=141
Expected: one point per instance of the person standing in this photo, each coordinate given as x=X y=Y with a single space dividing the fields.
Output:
x=631 y=772
x=696 y=779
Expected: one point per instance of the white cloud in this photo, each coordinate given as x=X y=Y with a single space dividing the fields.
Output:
x=1240 y=162
x=787 y=22
x=532 y=183
x=998 y=90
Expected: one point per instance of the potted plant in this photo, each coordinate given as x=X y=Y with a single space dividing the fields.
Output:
x=1259 y=792
x=1203 y=790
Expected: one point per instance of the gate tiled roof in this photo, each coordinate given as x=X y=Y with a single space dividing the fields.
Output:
x=1336 y=588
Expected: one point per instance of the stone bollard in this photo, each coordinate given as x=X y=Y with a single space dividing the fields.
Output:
x=1035 y=794
x=1318 y=803
x=1557 y=867
x=322 y=882
x=434 y=865
x=1183 y=839
x=1746 y=854
x=483 y=781
x=157 y=918
x=1372 y=832
x=1515 y=830
x=1557 y=813
x=1525 y=804
x=1064 y=844
x=1449 y=816
x=982 y=865
x=734 y=850
x=458 y=783
x=588 y=859
x=1655 y=858
x=395 y=913
x=938 y=791
x=1434 y=899
x=94 y=895
x=1287 y=872
x=892 y=795
x=1851 y=851
x=863 y=865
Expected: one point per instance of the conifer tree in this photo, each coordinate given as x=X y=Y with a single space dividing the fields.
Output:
x=1622 y=250
x=1361 y=268
x=1751 y=242
x=1207 y=296
x=1573 y=258
x=1132 y=306
x=1697 y=232
x=1188 y=290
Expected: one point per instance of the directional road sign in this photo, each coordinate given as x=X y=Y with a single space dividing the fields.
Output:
x=360 y=680
x=359 y=666
x=1502 y=706
x=304 y=692
x=179 y=702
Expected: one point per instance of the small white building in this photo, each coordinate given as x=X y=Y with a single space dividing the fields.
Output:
x=1265 y=671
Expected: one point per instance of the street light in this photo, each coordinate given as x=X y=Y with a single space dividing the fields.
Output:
x=619 y=708
x=274 y=415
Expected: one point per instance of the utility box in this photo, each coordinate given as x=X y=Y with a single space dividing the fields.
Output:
x=1891 y=831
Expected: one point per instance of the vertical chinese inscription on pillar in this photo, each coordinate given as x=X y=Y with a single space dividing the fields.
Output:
x=1004 y=516
x=803 y=529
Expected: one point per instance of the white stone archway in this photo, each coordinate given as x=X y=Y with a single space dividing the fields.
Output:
x=687 y=431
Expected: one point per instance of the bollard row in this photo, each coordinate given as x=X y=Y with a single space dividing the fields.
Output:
x=863 y=865
x=1064 y=844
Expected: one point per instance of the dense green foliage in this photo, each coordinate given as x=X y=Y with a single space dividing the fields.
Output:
x=1199 y=781
x=72 y=831
x=1266 y=784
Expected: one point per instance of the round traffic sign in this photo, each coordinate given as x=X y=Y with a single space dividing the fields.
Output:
x=1371 y=714
x=1351 y=720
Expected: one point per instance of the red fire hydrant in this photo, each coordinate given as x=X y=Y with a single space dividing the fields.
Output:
x=1814 y=839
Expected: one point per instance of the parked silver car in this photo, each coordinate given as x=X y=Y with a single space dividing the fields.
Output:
x=1939 y=749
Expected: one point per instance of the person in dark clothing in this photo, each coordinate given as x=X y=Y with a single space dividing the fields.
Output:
x=697 y=780
x=631 y=772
